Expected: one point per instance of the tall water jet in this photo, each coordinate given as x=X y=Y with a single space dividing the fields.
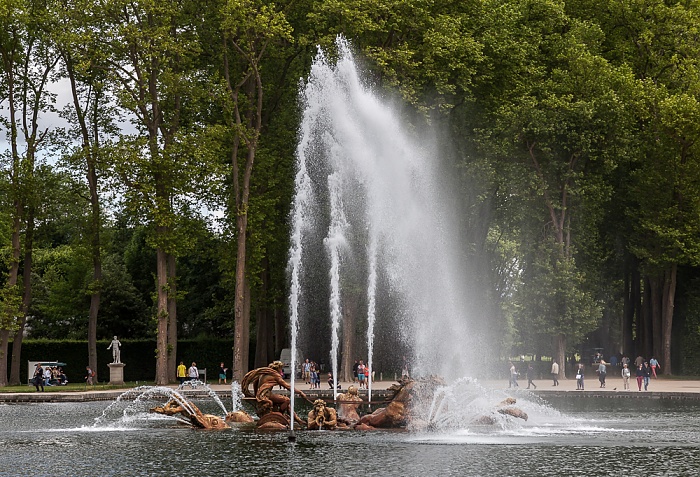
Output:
x=371 y=308
x=334 y=243
x=399 y=235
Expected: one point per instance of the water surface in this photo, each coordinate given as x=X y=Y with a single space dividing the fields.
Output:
x=568 y=437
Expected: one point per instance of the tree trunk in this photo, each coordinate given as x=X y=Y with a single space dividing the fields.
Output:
x=90 y=148
x=246 y=331
x=242 y=321
x=669 y=294
x=264 y=344
x=18 y=337
x=657 y=290
x=560 y=354
x=630 y=308
x=162 y=318
x=281 y=339
x=95 y=225
x=8 y=311
x=172 y=318
x=647 y=313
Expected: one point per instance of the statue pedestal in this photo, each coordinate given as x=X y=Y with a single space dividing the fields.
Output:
x=116 y=373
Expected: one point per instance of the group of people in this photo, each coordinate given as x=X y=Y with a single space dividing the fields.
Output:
x=527 y=369
x=190 y=374
x=361 y=374
x=644 y=371
x=311 y=373
x=48 y=376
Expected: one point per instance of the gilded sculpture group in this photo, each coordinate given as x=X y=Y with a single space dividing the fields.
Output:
x=273 y=409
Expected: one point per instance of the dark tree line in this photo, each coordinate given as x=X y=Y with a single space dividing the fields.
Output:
x=571 y=126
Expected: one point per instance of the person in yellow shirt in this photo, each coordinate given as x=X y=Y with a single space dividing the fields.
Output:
x=181 y=373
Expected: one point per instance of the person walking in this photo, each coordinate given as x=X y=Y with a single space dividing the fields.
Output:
x=654 y=364
x=602 y=372
x=626 y=377
x=222 y=373
x=555 y=373
x=181 y=373
x=89 y=376
x=579 y=377
x=38 y=378
x=646 y=374
x=193 y=372
x=530 y=376
x=640 y=376
x=513 y=381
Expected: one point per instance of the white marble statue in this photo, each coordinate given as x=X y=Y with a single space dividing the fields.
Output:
x=115 y=345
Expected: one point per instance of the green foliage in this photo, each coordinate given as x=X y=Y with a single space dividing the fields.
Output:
x=572 y=128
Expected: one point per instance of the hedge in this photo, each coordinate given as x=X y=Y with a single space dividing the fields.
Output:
x=137 y=355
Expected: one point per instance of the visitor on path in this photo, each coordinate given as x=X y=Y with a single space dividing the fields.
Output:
x=368 y=377
x=89 y=376
x=513 y=378
x=579 y=377
x=181 y=373
x=314 y=376
x=330 y=380
x=193 y=372
x=222 y=373
x=654 y=364
x=639 y=361
x=626 y=377
x=306 y=369
x=530 y=376
x=38 y=379
x=646 y=371
x=354 y=371
x=640 y=376
x=602 y=373
x=555 y=373
x=361 y=374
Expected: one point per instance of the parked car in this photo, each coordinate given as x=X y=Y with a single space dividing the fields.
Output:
x=286 y=358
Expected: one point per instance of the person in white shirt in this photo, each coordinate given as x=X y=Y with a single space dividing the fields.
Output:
x=193 y=372
x=555 y=373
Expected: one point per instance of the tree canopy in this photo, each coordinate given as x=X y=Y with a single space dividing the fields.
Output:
x=147 y=165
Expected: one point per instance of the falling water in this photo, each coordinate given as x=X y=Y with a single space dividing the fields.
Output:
x=300 y=207
x=369 y=187
x=236 y=396
x=371 y=305
x=334 y=242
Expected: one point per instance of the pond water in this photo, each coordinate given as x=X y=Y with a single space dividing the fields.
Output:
x=576 y=436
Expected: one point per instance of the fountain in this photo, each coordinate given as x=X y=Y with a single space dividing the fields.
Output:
x=372 y=212
x=366 y=195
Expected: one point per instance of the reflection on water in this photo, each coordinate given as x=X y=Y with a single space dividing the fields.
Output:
x=571 y=437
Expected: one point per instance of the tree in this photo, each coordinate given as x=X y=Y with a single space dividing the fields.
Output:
x=248 y=28
x=150 y=48
x=658 y=42
x=90 y=116
x=28 y=61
